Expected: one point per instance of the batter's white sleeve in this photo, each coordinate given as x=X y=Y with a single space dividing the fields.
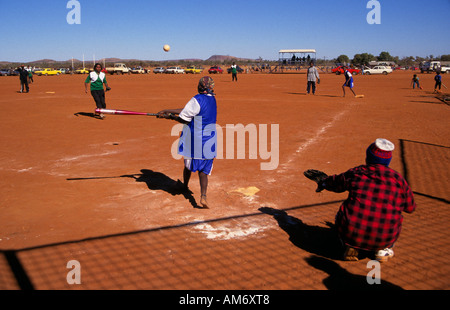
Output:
x=191 y=109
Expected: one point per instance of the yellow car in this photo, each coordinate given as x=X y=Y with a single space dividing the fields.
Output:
x=193 y=69
x=82 y=71
x=48 y=71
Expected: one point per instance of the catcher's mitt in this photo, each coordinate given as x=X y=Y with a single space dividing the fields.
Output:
x=108 y=89
x=316 y=176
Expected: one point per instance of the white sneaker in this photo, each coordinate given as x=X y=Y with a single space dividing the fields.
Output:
x=384 y=255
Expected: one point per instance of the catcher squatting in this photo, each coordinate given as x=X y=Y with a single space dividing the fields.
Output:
x=370 y=219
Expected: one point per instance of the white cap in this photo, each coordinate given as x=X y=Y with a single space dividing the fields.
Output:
x=384 y=145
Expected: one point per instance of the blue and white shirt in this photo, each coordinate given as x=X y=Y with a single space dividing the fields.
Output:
x=199 y=137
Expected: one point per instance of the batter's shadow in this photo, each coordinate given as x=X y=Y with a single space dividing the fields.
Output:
x=159 y=181
x=322 y=241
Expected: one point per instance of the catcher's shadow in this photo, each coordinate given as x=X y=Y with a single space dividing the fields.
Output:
x=340 y=279
x=322 y=241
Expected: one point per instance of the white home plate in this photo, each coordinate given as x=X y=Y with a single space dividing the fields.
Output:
x=227 y=232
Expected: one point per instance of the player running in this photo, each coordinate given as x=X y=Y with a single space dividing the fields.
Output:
x=438 y=82
x=348 y=81
x=199 y=139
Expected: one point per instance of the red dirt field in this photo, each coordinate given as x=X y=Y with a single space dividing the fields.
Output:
x=100 y=191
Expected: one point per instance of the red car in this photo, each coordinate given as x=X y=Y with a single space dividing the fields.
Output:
x=215 y=70
x=340 y=70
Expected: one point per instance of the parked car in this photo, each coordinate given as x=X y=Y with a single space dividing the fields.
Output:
x=82 y=71
x=47 y=71
x=193 y=70
x=434 y=66
x=340 y=70
x=137 y=70
x=5 y=72
x=239 y=69
x=174 y=70
x=215 y=70
x=378 y=70
x=159 y=70
x=119 y=68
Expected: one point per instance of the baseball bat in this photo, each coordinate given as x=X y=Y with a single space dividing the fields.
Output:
x=123 y=112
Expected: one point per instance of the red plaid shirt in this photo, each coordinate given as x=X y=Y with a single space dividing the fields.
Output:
x=371 y=217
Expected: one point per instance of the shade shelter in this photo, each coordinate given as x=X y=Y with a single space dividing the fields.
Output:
x=294 y=57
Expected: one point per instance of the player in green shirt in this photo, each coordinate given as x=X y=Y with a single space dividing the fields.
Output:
x=97 y=78
x=234 y=72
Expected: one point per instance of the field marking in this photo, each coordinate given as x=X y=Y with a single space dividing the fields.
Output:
x=68 y=159
x=317 y=136
x=48 y=168
x=320 y=132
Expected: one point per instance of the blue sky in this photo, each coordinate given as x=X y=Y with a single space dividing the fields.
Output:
x=32 y=30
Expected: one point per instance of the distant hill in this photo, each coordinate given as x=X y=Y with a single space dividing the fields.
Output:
x=65 y=63
x=222 y=58
x=47 y=60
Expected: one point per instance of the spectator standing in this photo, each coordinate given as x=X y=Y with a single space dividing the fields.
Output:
x=312 y=77
x=23 y=76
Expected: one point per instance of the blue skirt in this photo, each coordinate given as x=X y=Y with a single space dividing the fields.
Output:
x=200 y=165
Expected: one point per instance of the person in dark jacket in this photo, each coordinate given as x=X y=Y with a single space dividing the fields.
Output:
x=23 y=75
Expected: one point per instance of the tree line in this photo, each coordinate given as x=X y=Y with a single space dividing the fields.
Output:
x=365 y=58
